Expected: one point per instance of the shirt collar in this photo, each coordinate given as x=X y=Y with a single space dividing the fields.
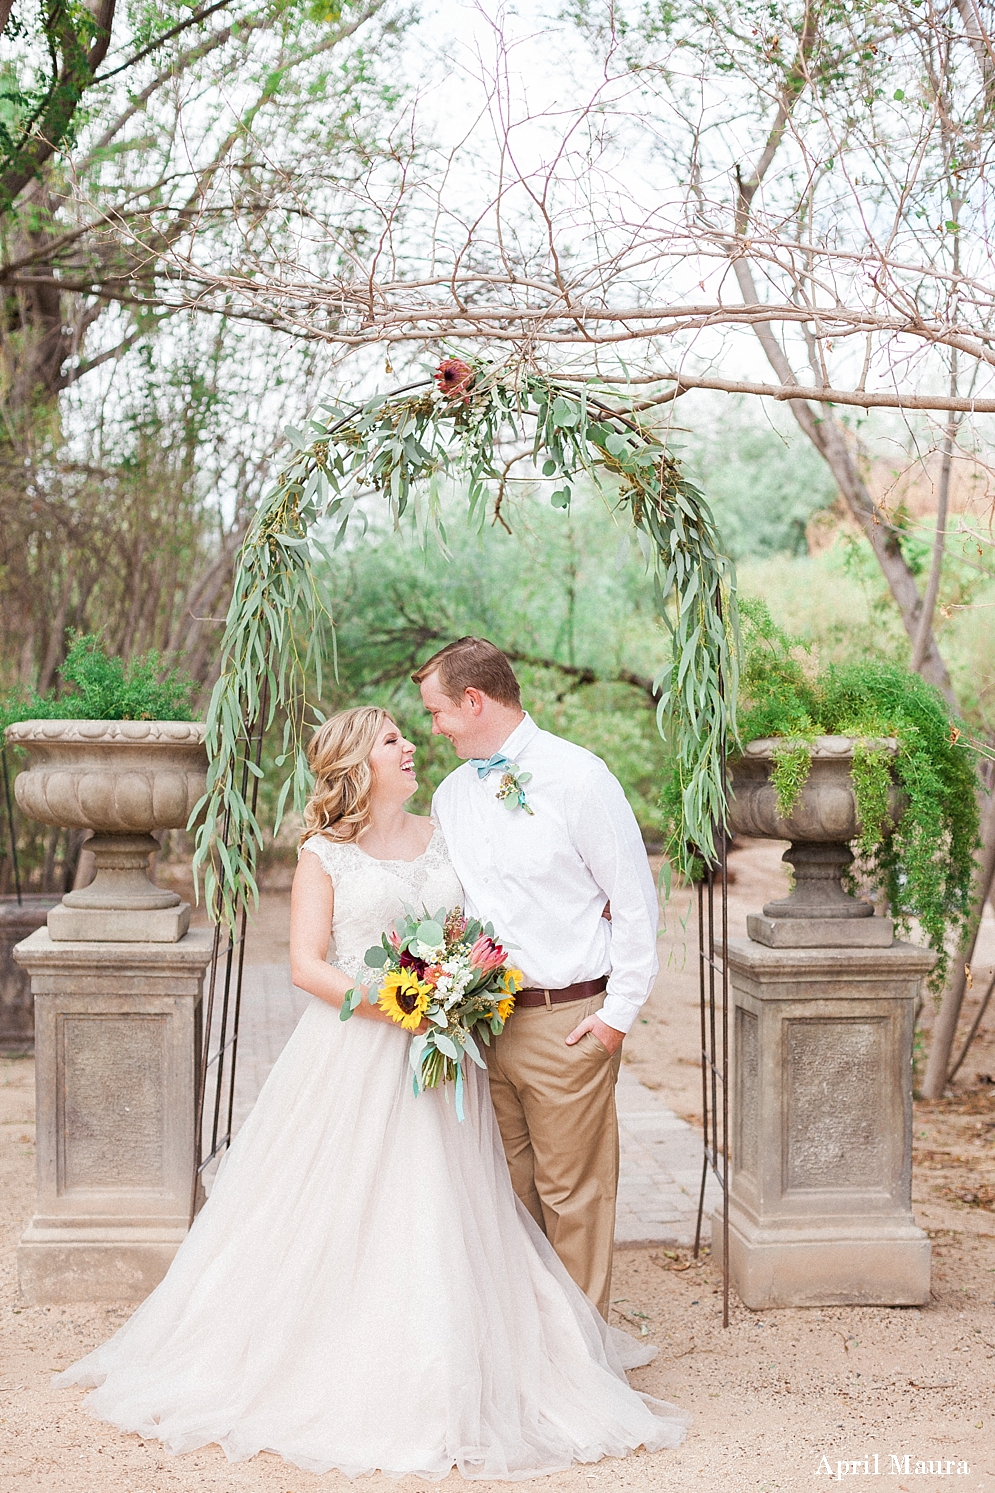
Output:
x=523 y=735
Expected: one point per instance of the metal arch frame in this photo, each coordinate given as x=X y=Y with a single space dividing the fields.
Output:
x=713 y=973
x=213 y=1120
x=713 y=1003
x=11 y=827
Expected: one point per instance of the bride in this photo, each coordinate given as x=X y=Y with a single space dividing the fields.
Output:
x=362 y=1290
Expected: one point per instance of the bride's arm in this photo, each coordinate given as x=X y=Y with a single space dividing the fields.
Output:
x=311 y=903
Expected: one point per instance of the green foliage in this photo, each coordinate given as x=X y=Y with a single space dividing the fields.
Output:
x=792 y=761
x=272 y=647
x=106 y=689
x=778 y=698
x=926 y=867
x=871 y=775
x=41 y=114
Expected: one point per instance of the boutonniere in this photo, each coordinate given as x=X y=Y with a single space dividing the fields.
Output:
x=511 y=789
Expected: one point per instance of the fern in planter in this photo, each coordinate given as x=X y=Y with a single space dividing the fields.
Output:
x=925 y=867
x=104 y=688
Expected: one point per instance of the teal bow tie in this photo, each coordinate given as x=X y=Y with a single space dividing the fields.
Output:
x=490 y=764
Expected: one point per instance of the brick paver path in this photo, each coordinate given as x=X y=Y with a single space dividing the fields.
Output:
x=661 y=1155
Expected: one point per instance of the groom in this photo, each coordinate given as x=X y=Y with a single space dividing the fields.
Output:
x=548 y=850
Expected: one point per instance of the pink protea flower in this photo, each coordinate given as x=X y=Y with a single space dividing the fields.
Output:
x=486 y=954
x=394 y=938
x=454 y=378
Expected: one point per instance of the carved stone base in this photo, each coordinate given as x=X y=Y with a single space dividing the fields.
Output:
x=116 y=1038
x=86 y=1264
x=842 y=1265
x=821 y=933
x=821 y=1141
x=107 y=925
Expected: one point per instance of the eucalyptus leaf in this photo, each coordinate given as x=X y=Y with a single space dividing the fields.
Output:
x=416 y=1051
x=473 y=1050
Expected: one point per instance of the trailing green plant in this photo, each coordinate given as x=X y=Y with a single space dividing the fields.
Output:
x=402 y=446
x=792 y=760
x=105 y=688
x=925 y=867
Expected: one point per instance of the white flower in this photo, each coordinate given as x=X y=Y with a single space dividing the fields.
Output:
x=431 y=953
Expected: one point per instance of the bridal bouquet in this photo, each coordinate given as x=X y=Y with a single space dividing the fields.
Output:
x=452 y=973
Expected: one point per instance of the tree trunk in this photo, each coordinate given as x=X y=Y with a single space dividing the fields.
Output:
x=945 y=1026
x=832 y=442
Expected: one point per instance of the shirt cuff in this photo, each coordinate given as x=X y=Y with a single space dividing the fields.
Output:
x=618 y=1012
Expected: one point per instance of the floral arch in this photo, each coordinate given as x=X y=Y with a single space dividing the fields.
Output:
x=453 y=425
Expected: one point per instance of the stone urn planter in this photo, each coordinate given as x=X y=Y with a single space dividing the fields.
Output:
x=823 y=1003
x=818 y=912
x=122 y=780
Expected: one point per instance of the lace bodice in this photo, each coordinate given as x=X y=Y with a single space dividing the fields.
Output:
x=370 y=894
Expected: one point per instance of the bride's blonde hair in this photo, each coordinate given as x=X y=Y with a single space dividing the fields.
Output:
x=339 y=757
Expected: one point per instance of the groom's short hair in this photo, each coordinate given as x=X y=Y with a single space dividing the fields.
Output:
x=473 y=663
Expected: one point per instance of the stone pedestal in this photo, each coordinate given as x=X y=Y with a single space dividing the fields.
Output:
x=820 y=1206
x=116 y=1041
x=17 y=920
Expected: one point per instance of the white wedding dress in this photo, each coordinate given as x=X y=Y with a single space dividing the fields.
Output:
x=362 y=1290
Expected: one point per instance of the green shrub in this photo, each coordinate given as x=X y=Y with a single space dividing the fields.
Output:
x=103 y=688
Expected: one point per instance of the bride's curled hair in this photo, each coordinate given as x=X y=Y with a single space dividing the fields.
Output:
x=339 y=757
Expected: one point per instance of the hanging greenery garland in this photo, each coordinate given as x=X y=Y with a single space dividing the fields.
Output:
x=454 y=427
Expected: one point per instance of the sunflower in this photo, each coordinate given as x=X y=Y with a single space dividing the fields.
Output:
x=404 y=998
x=511 y=980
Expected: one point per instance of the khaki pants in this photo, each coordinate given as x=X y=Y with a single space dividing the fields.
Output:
x=555 y=1108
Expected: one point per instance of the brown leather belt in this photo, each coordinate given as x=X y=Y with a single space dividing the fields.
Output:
x=582 y=991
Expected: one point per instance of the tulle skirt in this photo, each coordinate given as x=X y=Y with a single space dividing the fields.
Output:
x=362 y=1291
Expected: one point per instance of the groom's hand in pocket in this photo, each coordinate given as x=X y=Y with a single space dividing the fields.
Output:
x=610 y=1039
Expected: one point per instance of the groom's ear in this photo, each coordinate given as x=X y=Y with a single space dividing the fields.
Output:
x=474 y=699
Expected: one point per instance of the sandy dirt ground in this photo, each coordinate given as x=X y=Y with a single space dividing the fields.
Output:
x=793 y=1399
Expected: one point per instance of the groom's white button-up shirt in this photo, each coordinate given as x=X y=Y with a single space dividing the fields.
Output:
x=543 y=878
